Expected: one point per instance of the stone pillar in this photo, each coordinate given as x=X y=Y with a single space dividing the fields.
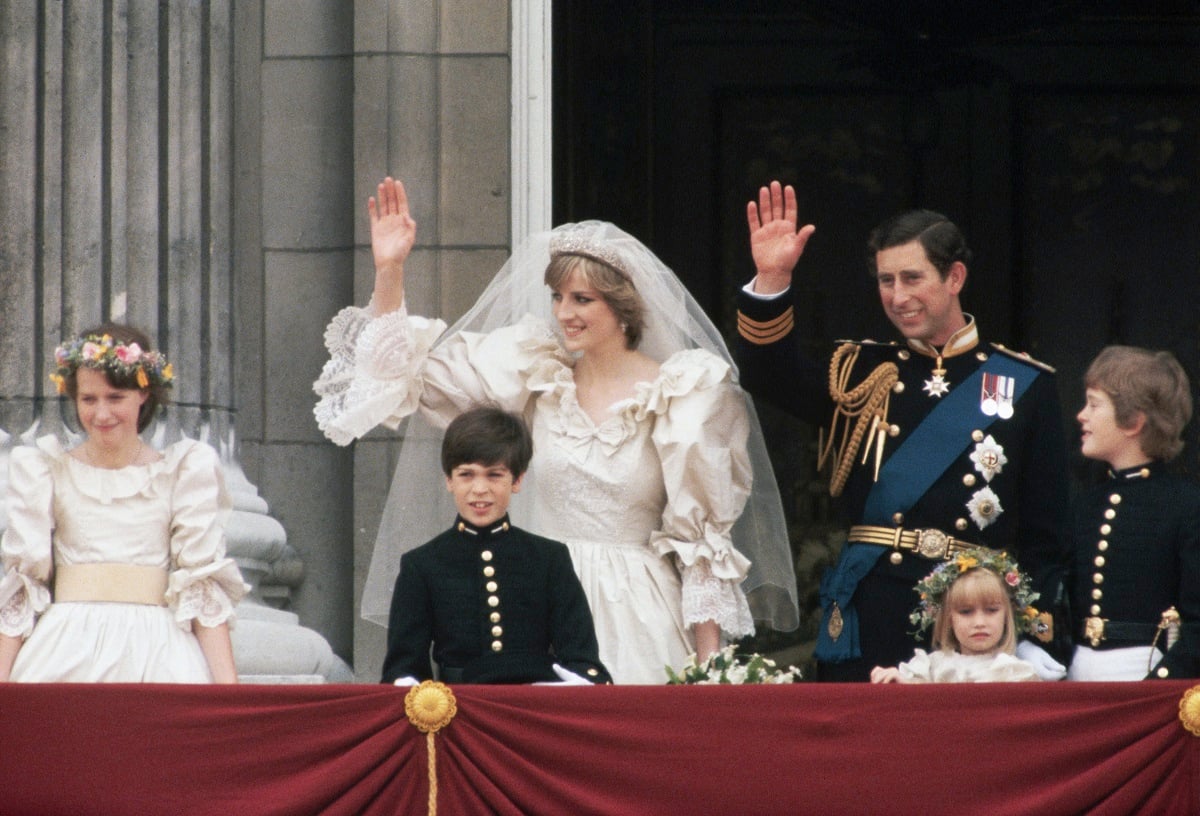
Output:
x=116 y=202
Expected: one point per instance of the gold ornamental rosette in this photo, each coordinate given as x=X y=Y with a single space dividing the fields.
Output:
x=430 y=707
x=1189 y=710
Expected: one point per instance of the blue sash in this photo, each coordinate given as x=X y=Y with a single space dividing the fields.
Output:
x=905 y=477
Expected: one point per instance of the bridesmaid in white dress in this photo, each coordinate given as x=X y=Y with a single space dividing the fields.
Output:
x=642 y=440
x=114 y=565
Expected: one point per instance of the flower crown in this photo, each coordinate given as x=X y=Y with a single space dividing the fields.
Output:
x=934 y=586
x=99 y=351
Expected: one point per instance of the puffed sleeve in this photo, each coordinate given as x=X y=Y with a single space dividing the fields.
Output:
x=383 y=369
x=700 y=434
x=917 y=670
x=25 y=551
x=204 y=584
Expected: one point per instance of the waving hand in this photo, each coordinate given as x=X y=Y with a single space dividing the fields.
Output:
x=775 y=243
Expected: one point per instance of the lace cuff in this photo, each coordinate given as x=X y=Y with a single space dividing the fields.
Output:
x=25 y=600
x=372 y=376
x=207 y=595
x=707 y=597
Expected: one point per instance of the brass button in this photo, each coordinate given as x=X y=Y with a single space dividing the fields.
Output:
x=897 y=518
x=1105 y=529
x=1102 y=545
x=486 y=555
x=960 y=524
x=981 y=356
x=903 y=354
x=977 y=436
x=593 y=672
x=497 y=646
x=1095 y=610
x=969 y=480
x=489 y=571
x=1162 y=671
x=1097 y=578
x=895 y=557
x=1097 y=594
x=493 y=601
x=1115 y=498
x=898 y=387
x=494 y=617
x=1098 y=560
x=893 y=430
x=1110 y=514
x=491 y=586
x=497 y=631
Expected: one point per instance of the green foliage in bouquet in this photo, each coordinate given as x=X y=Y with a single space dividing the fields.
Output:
x=726 y=667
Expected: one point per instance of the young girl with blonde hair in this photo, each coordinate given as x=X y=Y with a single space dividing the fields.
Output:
x=977 y=603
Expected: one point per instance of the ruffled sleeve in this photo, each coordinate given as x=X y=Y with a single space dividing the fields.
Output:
x=383 y=369
x=25 y=550
x=204 y=584
x=700 y=434
x=372 y=376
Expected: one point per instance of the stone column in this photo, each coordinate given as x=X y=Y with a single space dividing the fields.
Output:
x=116 y=202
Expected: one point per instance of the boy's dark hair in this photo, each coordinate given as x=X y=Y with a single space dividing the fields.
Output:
x=487 y=436
x=1150 y=382
x=942 y=240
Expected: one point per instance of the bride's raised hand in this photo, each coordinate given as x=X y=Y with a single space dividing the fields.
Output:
x=393 y=232
x=775 y=243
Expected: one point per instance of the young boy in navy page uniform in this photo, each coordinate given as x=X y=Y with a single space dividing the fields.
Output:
x=493 y=603
x=1136 y=577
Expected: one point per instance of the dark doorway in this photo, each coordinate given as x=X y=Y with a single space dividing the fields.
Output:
x=1063 y=137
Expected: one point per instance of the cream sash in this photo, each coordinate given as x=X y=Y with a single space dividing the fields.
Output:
x=116 y=583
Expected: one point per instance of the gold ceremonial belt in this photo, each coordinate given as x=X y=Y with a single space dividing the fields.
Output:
x=116 y=583
x=928 y=543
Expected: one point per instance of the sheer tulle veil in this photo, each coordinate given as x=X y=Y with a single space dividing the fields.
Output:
x=418 y=505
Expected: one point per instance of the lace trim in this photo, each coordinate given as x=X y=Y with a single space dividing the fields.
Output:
x=707 y=597
x=16 y=616
x=205 y=602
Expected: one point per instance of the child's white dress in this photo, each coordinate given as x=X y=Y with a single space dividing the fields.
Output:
x=169 y=514
x=952 y=667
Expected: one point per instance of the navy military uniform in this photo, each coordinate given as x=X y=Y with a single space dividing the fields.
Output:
x=1012 y=495
x=498 y=605
x=1137 y=555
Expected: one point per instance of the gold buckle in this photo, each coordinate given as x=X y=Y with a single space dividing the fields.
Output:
x=1093 y=630
x=932 y=544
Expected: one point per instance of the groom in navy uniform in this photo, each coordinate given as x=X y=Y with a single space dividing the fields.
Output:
x=936 y=443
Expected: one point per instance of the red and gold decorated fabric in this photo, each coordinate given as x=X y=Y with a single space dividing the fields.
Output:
x=1060 y=748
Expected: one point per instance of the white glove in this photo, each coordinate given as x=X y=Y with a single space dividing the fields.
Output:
x=406 y=680
x=566 y=678
x=1046 y=666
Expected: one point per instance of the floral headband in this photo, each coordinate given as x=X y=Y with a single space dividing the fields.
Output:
x=99 y=351
x=934 y=586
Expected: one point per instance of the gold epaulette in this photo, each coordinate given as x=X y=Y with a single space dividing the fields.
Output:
x=859 y=412
x=1023 y=357
x=762 y=332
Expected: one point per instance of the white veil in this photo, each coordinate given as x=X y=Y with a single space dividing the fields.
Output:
x=418 y=505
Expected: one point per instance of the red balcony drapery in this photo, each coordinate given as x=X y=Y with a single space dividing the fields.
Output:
x=339 y=749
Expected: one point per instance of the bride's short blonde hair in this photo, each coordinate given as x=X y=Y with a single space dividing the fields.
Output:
x=613 y=285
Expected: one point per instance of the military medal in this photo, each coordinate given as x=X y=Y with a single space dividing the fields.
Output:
x=1004 y=397
x=937 y=385
x=987 y=396
x=989 y=457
